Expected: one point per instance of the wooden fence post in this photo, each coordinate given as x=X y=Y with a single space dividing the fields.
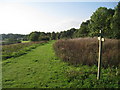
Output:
x=100 y=55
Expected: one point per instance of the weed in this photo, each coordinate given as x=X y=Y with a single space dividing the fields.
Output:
x=85 y=51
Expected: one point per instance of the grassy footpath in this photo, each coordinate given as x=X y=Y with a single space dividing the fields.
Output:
x=40 y=68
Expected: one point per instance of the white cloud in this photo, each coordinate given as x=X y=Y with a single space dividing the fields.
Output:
x=18 y=18
x=23 y=19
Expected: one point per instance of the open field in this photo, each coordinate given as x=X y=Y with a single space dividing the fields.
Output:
x=40 y=68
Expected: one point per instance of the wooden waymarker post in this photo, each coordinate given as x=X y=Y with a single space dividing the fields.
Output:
x=101 y=39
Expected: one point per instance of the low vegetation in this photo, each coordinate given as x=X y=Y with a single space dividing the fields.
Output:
x=15 y=50
x=10 y=41
x=40 y=68
x=85 y=51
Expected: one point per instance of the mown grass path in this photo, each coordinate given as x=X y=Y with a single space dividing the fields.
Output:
x=39 y=68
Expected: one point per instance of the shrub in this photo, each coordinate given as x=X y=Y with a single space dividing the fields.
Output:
x=11 y=41
x=85 y=51
x=44 y=38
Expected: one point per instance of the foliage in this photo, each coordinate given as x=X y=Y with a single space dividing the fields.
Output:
x=53 y=36
x=98 y=21
x=40 y=68
x=83 y=30
x=44 y=38
x=14 y=36
x=103 y=19
x=15 y=50
x=10 y=41
x=68 y=33
x=115 y=25
x=34 y=36
x=85 y=51
x=41 y=36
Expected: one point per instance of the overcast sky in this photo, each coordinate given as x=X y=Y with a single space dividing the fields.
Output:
x=25 y=17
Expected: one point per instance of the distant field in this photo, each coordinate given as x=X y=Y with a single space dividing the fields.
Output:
x=40 y=68
x=25 y=41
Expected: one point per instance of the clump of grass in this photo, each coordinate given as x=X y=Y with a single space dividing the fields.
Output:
x=85 y=51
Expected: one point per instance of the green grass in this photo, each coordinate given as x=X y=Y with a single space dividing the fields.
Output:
x=25 y=41
x=40 y=68
x=35 y=69
x=15 y=50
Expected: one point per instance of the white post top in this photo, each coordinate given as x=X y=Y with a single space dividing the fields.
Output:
x=100 y=31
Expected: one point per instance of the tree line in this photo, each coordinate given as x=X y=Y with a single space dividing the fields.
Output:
x=108 y=20
x=42 y=36
x=13 y=38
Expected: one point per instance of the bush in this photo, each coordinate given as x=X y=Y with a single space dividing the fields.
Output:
x=85 y=51
x=10 y=41
x=44 y=38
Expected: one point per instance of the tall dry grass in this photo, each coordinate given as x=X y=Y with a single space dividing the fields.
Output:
x=85 y=51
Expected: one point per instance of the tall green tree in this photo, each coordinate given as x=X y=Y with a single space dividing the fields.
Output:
x=34 y=36
x=107 y=29
x=83 y=30
x=70 y=33
x=53 y=36
x=115 y=25
x=98 y=21
x=57 y=35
